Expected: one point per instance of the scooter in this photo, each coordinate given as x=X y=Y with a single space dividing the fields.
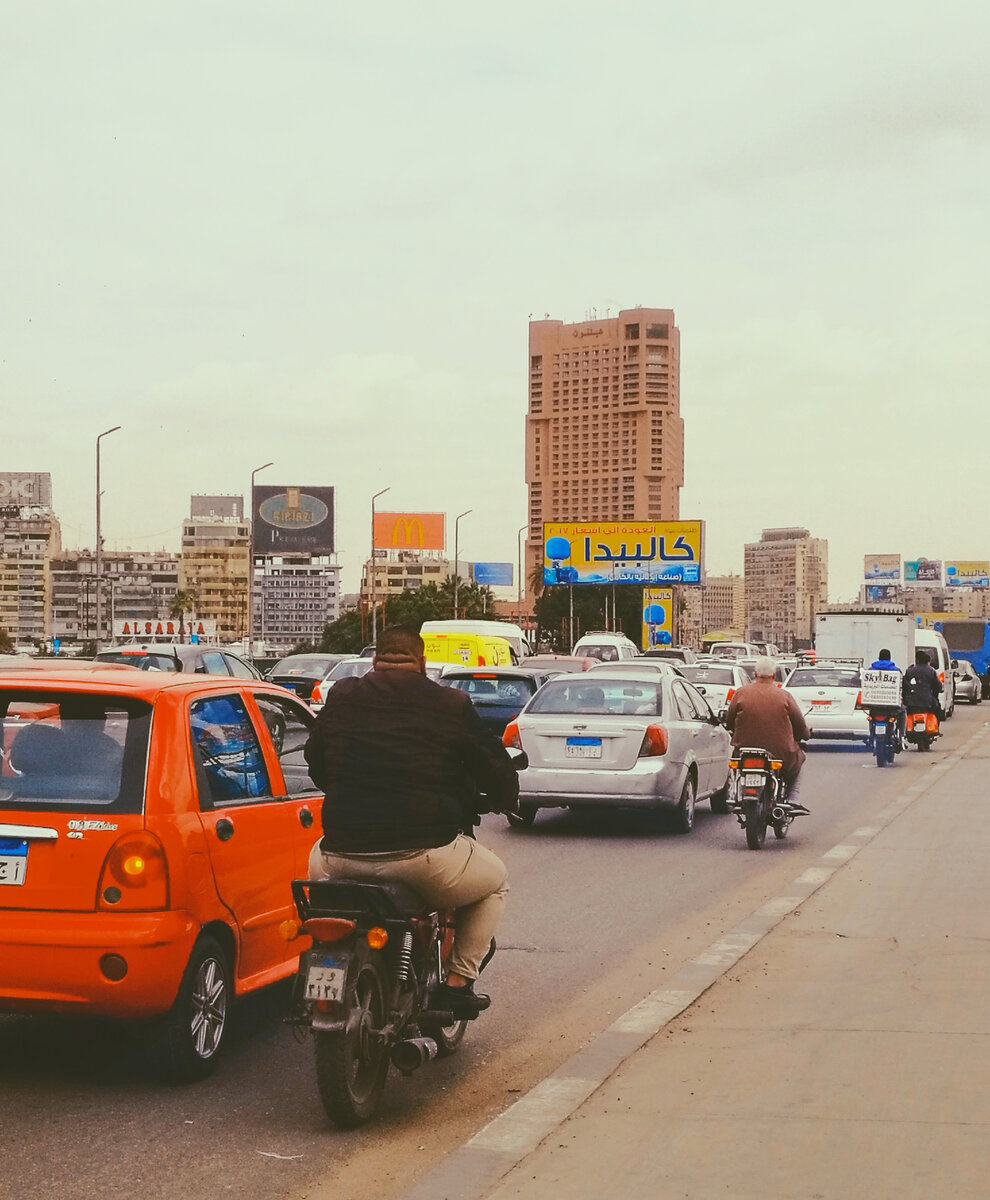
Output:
x=885 y=734
x=757 y=795
x=922 y=729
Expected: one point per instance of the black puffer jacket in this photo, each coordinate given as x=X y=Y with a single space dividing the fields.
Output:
x=400 y=760
x=921 y=689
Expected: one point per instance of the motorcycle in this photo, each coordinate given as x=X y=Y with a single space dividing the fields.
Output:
x=922 y=729
x=364 y=987
x=757 y=795
x=885 y=735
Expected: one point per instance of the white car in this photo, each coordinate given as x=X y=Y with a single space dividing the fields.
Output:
x=343 y=670
x=718 y=682
x=620 y=738
x=829 y=694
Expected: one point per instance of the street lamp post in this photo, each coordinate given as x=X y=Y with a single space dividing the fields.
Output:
x=371 y=568
x=519 y=581
x=99 y=542
x=457 y=522
x=250 y=647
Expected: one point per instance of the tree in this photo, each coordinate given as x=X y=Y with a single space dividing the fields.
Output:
x=184 y=601
x=553 y=612
x=6 y=642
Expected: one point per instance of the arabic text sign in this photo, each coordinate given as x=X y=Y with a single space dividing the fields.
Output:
x=658 y=617
x=923 y=570
x=583 y=552
x=409 y=531
x=877 y=593
x=967 y=574
x=882 y=566
x=881 y=688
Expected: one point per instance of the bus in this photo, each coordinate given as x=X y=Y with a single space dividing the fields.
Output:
x=969 y=638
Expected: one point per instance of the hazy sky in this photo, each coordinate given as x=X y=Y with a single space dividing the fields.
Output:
x=314 y=233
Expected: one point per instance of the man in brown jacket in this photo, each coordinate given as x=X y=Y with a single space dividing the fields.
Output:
x=765 y=716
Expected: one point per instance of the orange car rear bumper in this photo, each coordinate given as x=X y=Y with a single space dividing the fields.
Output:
x=51 y=961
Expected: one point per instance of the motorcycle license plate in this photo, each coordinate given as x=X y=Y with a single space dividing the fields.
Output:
x=325 y=977
x=13 y=861
x=753 y=781
x=919 y=726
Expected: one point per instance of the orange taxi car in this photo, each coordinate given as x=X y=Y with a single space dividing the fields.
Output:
x=150 y=827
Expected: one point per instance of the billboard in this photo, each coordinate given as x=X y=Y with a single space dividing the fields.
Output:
x=493 y=574
x=967 y=574
x=292 y=520
x=216 y=508
x=583 y=552
x=881 y=593
x=658 y=617
x=882 y=567
x=170 y=628
x=25 y=489
x=923 y=570
x=410 y=531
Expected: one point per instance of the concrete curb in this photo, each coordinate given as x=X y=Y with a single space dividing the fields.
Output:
x=472 y=1170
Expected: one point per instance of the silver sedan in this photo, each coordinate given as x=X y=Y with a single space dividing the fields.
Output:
x=620 y=738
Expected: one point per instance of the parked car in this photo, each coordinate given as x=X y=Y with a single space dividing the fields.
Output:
x=829 y=694
x=497 y=693
x=300 y=673
x=150 y=827
x=624 y=738
x=969 y=686
x=172 y=656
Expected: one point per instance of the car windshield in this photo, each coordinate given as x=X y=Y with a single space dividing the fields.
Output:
x=356 y=666
x=824 y=677
x=719 y=675
x=494 y=692
x=608 y=697
x=72 y=753
x=147 y=660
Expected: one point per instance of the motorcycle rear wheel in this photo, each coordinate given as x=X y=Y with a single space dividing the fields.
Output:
x=447 y=1037
x=351 y=1063
x=755 y=822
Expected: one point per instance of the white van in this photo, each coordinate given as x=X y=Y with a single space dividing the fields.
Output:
x=934 y=645
x=605 y=646
x=513 y=634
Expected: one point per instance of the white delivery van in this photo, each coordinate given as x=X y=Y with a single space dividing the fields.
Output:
x=606 y=646
x=513 y=634
x=936 y=647
x=862 y=635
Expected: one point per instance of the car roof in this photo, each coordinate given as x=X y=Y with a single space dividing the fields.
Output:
x=114 y=678
x=659 y=666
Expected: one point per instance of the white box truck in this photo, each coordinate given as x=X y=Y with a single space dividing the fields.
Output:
x=858 y=634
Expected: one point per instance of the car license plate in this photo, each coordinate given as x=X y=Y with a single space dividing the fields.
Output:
x=752 y=781
x=325 y=978
x=583 y=747
x=13 y=861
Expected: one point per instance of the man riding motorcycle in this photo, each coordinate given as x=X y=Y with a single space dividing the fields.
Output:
x=885 y=663
x=921 y=688
x=400 y=759
x=764 y=715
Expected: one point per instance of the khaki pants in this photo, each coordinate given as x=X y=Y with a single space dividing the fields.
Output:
x=462 y=875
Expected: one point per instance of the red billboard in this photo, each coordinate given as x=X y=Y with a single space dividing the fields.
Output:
x=410 y=531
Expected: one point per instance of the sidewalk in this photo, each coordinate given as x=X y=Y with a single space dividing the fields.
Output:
x=846 y=1055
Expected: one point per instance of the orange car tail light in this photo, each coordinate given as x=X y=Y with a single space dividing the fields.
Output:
x=729 y=694
x=315 y=693
x=329 y=929
x=511 y=736
x=134 y=875
x=654 y=742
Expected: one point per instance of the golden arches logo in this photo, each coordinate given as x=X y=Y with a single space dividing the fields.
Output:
x=408 y=525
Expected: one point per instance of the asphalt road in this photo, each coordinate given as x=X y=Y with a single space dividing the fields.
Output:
x=601 y=910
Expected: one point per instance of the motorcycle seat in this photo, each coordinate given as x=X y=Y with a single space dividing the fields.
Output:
x=384 y=899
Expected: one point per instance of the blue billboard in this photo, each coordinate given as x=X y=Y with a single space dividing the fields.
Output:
x=493 y=574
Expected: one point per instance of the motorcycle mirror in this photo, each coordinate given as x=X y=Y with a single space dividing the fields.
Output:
x=520 y=759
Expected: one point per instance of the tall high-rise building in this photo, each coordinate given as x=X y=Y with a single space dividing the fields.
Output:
x=604 y=434
x=30 y=537
x=215 y=562
x=717 y=606
x=786 y=575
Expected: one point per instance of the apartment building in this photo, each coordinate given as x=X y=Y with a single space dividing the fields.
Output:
x=786 y=583
x=295 y=597
x=215 y=563
x=30 y=537
x=717 y=605
x=137 y=586
x=604 y=434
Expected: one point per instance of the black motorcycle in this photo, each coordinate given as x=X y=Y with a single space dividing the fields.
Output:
x=885 y=734
x=757 y=795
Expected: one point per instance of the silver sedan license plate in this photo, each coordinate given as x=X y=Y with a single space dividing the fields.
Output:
x=581 y=747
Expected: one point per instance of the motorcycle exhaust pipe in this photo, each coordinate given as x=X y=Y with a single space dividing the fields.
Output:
x=409 y=1055
x=777 y=813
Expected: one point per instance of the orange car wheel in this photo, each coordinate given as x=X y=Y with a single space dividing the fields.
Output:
x=192 y=1034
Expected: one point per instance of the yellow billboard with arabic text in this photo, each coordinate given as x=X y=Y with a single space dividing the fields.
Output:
x=587 y=552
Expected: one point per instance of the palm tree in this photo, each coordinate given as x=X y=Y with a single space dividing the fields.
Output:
x=184 y=601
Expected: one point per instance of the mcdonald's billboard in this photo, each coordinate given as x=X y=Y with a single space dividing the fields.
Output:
x=410 y=531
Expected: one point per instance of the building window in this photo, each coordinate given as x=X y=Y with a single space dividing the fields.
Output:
x=657 y=331
x=632 y=332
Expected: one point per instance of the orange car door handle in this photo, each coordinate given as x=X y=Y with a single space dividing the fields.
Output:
x=305 y=818
x=225 y=829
